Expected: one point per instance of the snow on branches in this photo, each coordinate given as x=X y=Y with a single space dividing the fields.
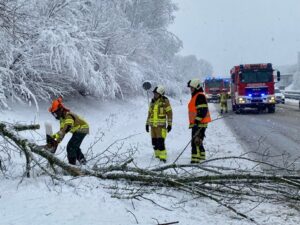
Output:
x=101 y=48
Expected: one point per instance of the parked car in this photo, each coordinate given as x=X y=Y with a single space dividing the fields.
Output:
x=279 y=96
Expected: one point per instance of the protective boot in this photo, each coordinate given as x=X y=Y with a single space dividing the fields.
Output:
x=163 y=155
x=82 y=161
x=72 y=160
x=196 y=155
x=156 y=153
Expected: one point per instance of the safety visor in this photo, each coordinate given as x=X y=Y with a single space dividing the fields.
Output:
x=189 y=83
x=155 y=90
x=55 y=114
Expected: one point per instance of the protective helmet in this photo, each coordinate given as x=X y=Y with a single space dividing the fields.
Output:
x=159 y=89
x=194 y=83
x=57 y=104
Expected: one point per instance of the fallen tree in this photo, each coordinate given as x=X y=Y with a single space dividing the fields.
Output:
x=226 y=186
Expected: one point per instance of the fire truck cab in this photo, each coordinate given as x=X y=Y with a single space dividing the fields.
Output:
x=252 y=86
x=213 y=87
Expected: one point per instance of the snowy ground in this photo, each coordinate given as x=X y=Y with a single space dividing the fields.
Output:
x=89 y=201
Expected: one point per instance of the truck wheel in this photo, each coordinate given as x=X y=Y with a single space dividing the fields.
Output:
x=271 y=109
x=238 y=110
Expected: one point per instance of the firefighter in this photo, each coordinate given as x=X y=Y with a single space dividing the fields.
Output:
x=70 y=122
x=199 y=117
x=160 y=120
x=223 y=101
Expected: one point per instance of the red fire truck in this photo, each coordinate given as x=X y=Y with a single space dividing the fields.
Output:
x=252 y=86
x=213 y=87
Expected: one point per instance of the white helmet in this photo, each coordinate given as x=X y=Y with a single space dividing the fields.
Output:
x=159 y=89
x=195 y=83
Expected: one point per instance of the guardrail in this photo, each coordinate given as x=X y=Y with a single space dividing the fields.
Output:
x=292 y=94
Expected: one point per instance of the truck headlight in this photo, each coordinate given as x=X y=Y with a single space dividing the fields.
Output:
x=241 y=100
x=271 y=99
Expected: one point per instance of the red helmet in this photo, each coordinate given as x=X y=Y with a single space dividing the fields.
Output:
x=57 y=104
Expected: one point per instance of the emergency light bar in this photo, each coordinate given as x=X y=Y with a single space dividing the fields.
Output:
x=213 y=78
x=256 y=66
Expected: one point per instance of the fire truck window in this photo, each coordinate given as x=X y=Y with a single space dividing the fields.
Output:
x=214 y=83
x=256 y=77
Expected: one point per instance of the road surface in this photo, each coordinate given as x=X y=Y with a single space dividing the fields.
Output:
x=273 y=138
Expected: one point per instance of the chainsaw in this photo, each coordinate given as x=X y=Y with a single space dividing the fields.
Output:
x=51 y=143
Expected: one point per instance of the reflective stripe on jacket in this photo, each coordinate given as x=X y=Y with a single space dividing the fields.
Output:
x=71 y=123
x=160 y=112
x=193 y=111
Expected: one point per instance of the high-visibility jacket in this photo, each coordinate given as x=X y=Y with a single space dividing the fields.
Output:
x=195 y=110
x=71 y=123
x=160 y=112
x=224 y=97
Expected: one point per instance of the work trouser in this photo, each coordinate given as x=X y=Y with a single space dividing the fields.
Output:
x=158 y=135
x=198 y=151
x=73 y=148
x=224 y=106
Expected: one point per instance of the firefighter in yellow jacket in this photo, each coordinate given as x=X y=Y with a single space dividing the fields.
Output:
x=199 y=117
x=160 y=121
x=70 y=122
x=223 y=101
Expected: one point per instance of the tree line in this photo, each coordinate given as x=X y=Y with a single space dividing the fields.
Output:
x=101 y=48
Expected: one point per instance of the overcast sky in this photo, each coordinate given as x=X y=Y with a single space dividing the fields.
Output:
x=231 y=32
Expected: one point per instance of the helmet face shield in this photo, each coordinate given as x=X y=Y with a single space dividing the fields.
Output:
x=188 y=83
x=56 y=114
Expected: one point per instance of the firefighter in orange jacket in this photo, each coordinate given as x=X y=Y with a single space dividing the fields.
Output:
x=70 y=122
x=160 y=120
x=199 y=117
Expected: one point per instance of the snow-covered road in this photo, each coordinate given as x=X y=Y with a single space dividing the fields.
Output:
x=274 y=138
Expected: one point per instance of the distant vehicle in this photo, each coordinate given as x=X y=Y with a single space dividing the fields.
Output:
x=213 y=87
x=279 y=96
x=252 y=86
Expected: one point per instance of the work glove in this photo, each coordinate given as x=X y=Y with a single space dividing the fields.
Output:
x=169 y=128
x=147 y=128
x=51 y=144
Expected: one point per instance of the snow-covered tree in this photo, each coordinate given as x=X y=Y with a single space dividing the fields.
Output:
x=103 y=48
x=190 y=67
